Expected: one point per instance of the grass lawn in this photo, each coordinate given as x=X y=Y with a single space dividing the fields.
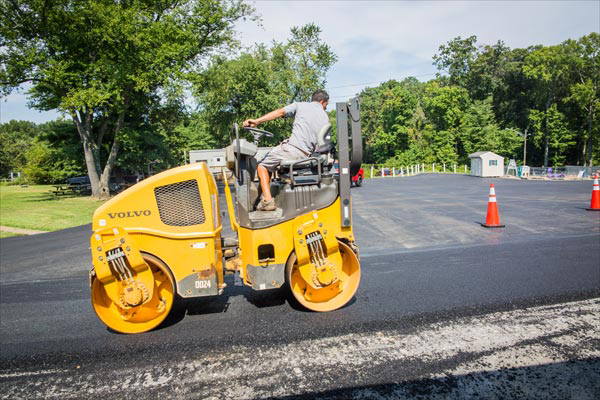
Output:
x=34 y=207
x=7 y=234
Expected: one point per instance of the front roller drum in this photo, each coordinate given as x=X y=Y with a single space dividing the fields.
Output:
x=144 y=317
x=329 y=297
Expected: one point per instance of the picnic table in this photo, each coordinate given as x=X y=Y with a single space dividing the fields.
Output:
x=67 y=188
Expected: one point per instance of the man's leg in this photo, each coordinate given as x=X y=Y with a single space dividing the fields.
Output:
x=265 y=182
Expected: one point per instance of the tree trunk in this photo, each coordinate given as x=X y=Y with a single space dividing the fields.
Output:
x=90 y=150
x=104 y=187
x=99 y=178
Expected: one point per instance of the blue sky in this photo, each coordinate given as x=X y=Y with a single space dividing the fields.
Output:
x=380 y=40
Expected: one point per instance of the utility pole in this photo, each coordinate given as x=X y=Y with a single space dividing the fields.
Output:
x=525 y=147
x=524 y=136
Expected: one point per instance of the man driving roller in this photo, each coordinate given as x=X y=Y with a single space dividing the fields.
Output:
x=309 y=119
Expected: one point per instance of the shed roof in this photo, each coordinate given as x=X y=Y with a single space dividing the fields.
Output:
x=480 y=153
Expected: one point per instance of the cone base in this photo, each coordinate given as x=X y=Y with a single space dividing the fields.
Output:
x=492 y=226
x=593 y=209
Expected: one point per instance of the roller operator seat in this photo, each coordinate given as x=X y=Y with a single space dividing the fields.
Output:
x=324 y=147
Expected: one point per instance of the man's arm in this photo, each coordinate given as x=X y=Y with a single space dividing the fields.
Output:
x=267 y=117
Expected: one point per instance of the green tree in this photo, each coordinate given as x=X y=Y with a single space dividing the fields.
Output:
x=233 y=90
x=487 y=71
x=48 y=164
x=548 y=67
x=479 y=127
x=389 y=119
x=584 y=58
x=445 y=106
x=512 y=98
x=102 y=61
x=301 y=63
x=550 y=128
x=258 y=81
x=15 y=139
x=456 y=58
x=40 y=167
x=481 y=132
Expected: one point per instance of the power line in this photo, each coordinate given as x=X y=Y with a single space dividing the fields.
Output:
x=369 y=83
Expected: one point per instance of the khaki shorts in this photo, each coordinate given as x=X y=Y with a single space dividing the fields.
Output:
x=284 y=151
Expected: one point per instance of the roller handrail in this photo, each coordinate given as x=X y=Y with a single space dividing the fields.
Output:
x=317 y=159
x=237 y=151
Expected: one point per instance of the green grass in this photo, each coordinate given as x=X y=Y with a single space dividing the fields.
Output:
x=34 y=207
x=8 y=234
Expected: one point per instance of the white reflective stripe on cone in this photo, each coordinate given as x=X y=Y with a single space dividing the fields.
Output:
x=492 y=191
x=492 y=199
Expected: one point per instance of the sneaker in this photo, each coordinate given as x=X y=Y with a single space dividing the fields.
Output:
x=266 y=205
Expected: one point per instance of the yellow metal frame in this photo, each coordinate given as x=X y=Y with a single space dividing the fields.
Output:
x=186 y=250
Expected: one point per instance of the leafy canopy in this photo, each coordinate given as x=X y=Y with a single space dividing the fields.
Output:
x=258 y=81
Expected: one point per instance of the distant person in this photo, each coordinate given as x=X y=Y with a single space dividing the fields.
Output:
x=309 y=119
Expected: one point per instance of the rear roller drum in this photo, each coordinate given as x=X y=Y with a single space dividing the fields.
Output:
x=329 y=297
x=126 y=319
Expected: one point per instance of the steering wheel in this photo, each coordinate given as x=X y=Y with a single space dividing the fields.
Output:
x=258 y=133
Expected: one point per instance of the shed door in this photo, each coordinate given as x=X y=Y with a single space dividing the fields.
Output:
x=476 y=168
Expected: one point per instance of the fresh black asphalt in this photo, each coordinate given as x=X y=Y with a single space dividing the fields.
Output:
x=424 y=258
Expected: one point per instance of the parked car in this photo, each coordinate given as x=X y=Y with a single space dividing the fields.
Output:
x=356 y=179
x=79 y=180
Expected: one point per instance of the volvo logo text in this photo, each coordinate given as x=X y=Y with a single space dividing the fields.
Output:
x=130 y=214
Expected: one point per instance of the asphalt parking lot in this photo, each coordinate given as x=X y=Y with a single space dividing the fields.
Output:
x=446 y=309
x=432 y=210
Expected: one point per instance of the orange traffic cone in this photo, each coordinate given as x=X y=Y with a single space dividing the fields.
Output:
x=595 y=204
x=493 y=219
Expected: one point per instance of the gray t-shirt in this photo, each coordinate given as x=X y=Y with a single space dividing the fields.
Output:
x=309 y=119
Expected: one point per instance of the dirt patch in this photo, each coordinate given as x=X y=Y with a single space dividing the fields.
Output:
x=20 y=231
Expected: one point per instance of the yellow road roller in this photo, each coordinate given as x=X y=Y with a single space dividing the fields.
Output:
x=160 y=240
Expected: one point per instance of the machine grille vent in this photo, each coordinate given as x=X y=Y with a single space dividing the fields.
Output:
x=179 y=204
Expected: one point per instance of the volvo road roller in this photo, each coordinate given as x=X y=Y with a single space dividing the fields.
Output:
x=161 y=240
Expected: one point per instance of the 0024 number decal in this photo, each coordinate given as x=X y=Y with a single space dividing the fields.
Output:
x=204 y=284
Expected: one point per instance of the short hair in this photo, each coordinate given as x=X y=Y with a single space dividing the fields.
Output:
x=320 y=95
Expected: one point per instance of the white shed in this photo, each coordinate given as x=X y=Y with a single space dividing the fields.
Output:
x=486 y=163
